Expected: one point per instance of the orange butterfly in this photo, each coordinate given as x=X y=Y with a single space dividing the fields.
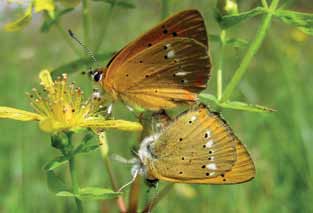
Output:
x=197 y=147
x=164 y=67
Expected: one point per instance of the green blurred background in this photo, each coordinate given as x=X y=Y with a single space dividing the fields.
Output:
x=280 y=76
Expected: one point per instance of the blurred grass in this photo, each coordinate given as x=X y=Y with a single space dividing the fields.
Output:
x=280 y=77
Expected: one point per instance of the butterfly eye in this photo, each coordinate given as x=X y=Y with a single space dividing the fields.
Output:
x=97 y=76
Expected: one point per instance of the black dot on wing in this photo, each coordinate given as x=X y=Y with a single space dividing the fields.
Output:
x=190 y=122
x=155 y=91
x=180 y=139
x=210 y=152
x=126 y=75
x=141 y=62
x=222 y=175
x=149 y=45
x=206 y=135
x=203 y=166
x=165 y=47
x=180 y=172
x=174 y=34
x=183 y=158
x=165 y=31
x=146 y=76
x=207 y=174
x=224 y=179
x=209 y=158
x=204 y=146
x=166 y=57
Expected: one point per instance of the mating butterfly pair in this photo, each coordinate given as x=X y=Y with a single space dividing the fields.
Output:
x=167 y=66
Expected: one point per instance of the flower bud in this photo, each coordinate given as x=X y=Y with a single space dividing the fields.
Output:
x=227 y=7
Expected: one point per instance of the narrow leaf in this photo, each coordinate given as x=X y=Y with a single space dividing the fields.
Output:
x=122 y=4
x=95 y=193
x=78 y=65
x=21 y=22
x=236 y=104
x=231 y=20
x=303 y=21
x=59 y=161
x=246 y=107
x=49 y=21
x=55 y=183
x=65 y=194
x=85 y=148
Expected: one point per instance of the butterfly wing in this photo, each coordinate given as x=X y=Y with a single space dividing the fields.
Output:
x=173 y=71
x=199 y=147
x=188 y=23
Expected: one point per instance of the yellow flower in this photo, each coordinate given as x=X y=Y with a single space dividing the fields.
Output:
x=63 y=108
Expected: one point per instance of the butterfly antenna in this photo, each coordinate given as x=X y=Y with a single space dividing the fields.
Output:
x=130 y=182
x=87 y=50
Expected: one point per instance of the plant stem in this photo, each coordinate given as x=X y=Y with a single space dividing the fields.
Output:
x=86 y=21
x=68 y=40
x=220 y=66
x=264 y=3
x=120 y=201
x=134 y=196
x=159 y=197
x=165 y=7
x=253 y=48
x=104 y=27
x=74 y=180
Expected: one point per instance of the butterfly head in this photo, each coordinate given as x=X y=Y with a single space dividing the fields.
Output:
x=97 y=74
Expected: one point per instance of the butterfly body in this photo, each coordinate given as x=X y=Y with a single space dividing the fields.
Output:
x=166 y=66
x=198 y=147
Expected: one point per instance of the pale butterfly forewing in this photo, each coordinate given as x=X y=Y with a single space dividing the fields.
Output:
x=199 y=147
x=171 y=72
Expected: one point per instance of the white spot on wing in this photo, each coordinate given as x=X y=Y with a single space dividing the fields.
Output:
x=168 y=45
x=209 y=144
x=208 y=133
x=211 y=166
x=181 y=73
x=171 y=54
x=193 y=118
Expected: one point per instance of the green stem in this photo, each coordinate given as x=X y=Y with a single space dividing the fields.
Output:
x=86 y=21
x=253 y=48
x=104 y=27
x=68 y=40
x=220 y=66
x=264 y=3
x=74 y=180
x=165 y=7
x=158 y=198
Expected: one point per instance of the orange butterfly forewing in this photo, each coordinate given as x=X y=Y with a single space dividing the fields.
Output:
x=164 y=67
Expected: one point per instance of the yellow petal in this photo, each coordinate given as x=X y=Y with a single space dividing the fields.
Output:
x=116 y=124
x=16 y=114
x=41 y=5
x=21 y=22
x=46 y=81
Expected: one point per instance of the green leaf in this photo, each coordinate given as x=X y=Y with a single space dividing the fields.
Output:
x=246 y=107
x=59 y=161
x=122 y=4
x=77 y=65
x=85 y=148
x=231 y=20
x=234 y=42
x=21 y=22
x=55 y=183
x=303 y=21
x=96 y=193
x=65 y=194
x=49 y=22
x=236 y=104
